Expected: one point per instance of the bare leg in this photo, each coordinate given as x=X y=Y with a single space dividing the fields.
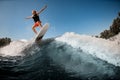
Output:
x=33 y=28
x=40 y=26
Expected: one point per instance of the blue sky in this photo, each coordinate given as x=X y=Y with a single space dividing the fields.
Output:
x=88 y=17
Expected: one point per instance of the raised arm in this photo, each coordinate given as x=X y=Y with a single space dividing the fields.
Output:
x=42 y=9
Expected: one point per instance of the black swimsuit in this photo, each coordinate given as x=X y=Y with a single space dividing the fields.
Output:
x=36 y=18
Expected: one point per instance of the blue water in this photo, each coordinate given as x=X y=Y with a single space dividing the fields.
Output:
x=52 y=60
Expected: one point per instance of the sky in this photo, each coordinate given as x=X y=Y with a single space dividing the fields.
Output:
x=89 y=17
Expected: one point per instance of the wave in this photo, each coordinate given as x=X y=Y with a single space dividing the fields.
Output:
x=101 y=48
x=70 y=56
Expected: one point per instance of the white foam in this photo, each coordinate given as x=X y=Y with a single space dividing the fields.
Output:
x=13 y=49
x=24 y=40
x=104 y=49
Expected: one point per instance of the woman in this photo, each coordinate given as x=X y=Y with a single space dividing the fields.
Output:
x=35 y=16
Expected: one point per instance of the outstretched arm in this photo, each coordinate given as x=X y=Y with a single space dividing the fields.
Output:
x=42 y=9
x=29 y=17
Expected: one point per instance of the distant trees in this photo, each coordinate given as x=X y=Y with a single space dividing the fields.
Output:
x=4 y=41
x=113 y=30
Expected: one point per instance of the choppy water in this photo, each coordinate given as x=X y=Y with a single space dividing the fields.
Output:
x=55 y=60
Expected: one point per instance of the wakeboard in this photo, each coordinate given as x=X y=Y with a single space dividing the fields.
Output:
x=42 y=32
